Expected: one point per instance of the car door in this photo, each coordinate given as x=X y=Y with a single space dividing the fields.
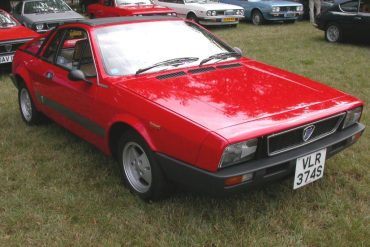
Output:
x=105 y=9
x=363 y=19
x=71 y=103
x=348 y=18
x=177 y=5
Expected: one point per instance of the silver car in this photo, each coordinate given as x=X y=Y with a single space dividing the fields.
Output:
x=44 y=15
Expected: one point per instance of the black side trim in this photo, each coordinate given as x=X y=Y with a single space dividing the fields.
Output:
x=229 y=66
x=171 y=75
x=86 y=123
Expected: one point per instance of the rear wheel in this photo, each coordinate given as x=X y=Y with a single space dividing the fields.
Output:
x=139 y=169
x=333 y=33
x=26 y=106
x=257 y=17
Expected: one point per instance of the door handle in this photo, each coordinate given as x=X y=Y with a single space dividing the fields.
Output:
x=49 y=75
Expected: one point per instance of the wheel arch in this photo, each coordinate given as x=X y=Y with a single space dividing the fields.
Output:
x=191 y=12
x=122 y=124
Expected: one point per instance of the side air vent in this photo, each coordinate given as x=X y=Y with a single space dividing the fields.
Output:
x=201 y=70
x=171 y=75
x=228 y=66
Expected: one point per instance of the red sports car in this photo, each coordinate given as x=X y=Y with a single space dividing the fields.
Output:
x=12 y=35
x=186 y=109
x=115 y=8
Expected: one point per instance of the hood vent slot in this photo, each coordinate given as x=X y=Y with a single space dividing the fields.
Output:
x=201 y=70
x=229 y=66
x=171 y=75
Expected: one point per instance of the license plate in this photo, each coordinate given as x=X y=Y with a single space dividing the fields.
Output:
x=229 y=19
x=6 y=59
x=289 y=14
x=309 y=168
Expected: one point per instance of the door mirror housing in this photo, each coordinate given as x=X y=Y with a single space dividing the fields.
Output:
x=238 y=50
x=78 y=75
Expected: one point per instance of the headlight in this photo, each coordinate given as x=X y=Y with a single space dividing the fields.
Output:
x=214 y=12
x=275 y=9
x=239 y=12
x=238 y=152
x=171 y=14
x=352 y=117
x=39 y=27
x=299 y=8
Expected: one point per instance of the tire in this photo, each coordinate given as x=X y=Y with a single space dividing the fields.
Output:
x=333 y=33
x=27 y=108
x=139 y=169
x=257 y=17
x=193 y=18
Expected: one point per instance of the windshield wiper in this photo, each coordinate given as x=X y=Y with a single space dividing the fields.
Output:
x=171 y=62
x=220 y=56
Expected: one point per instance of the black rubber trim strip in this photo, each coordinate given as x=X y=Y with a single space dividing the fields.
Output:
x=86 y=123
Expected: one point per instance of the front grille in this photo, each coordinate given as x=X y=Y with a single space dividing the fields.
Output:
x=225 y=12
x=288 y=8
x=293 y=138
x=10 y=47
x=51 y=25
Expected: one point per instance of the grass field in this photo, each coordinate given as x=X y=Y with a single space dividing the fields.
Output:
x=56 y=189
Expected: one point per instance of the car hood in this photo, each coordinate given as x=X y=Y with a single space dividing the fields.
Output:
x=149 y=8
x=17 y=32
x=213 y=6
x=54 y=17
x=281 y=3
x=226 y=97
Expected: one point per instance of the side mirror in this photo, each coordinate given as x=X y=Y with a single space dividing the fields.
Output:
x=238 y=50
x=78 y=75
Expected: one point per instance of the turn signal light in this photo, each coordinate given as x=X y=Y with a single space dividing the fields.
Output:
x=238 y=179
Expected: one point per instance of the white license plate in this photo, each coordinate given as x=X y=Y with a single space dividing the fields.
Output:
x=6 y=59
x=309 y=168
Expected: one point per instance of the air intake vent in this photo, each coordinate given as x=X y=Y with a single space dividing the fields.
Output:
x=171 y=75
x=228 y=66
x=201 y=70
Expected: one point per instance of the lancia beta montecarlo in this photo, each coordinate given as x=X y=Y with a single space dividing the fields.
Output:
x=185 y=108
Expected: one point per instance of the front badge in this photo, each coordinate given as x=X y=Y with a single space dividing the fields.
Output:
x=307 y=132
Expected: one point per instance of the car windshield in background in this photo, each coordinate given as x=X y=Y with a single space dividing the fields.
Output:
x=129 y=48
x=45 y=6
x=6 y=20
x=195 y=1
x=133 y=2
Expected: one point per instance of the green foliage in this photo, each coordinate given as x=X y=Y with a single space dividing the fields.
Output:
x=56 y=189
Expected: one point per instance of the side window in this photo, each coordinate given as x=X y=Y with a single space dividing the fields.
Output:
x=365 y=6
x=35 y=46
x=51 y=50
x=350 y=6
x=75 y=53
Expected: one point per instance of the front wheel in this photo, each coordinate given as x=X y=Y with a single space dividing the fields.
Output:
x=257 y=17
x=333 y=33
x=139 y=169
x=193 y=18
x=29 y=113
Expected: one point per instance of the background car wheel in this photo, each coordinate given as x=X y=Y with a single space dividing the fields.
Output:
x=333 y=33
x=193 y=17
x=257 y=17
x=27 y=108
x=139 y=169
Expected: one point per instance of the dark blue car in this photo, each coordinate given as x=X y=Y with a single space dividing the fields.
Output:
x=260 y=11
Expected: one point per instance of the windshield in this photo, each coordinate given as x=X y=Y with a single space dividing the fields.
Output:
x=6 y=20
x=45 y=6
x=195 y=1
x=133 y=2
x=125 y=49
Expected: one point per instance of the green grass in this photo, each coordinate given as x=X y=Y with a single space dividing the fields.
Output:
x=56 y=189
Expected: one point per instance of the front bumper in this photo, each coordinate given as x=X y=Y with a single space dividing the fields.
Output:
x=283 y=16
x=220 y=20
x=264 y=170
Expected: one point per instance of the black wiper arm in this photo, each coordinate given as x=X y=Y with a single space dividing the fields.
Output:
x=170 y=62
x=220 y=56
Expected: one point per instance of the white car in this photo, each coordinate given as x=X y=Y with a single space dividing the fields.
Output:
x=205 y=12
